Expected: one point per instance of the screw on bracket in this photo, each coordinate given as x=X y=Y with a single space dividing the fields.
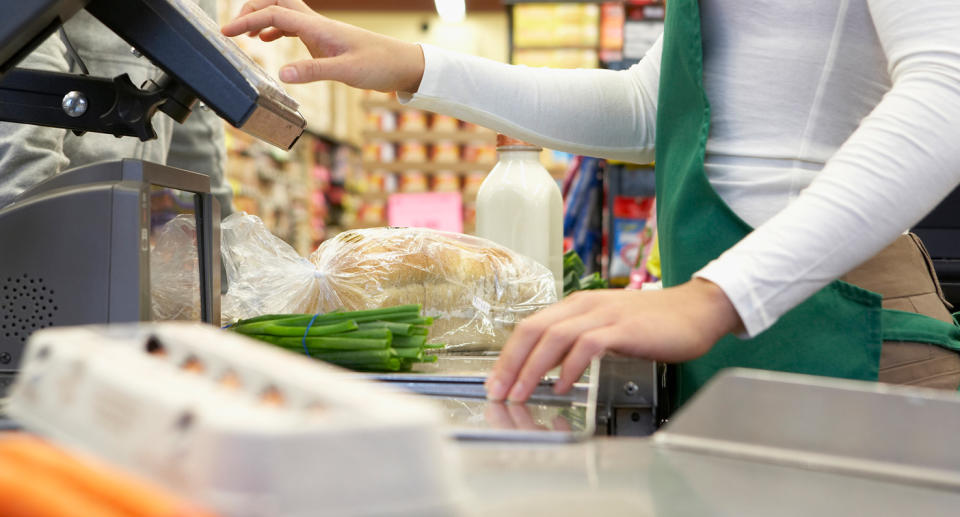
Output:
x=630 y=388
x=5 y=358
x=74 y=104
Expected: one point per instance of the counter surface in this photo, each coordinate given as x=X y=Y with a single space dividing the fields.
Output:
x=630 y=476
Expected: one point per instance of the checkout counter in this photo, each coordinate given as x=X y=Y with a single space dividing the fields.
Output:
x=751 y=443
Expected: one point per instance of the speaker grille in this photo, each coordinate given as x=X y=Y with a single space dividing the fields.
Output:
x=26 y=304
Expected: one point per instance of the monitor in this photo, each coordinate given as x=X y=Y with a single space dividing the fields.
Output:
x=79 y=248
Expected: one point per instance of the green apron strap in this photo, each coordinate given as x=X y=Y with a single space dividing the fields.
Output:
x=909 y=326
x=837 y=332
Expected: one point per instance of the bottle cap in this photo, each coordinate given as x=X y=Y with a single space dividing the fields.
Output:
x=504 y=141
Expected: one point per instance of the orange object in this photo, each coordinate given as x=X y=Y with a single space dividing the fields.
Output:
x=509 y=141
x=39 y=480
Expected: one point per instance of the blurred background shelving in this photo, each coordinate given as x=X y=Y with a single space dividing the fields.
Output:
x=363 y=147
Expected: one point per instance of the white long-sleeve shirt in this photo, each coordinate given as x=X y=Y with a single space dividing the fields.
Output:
x=835 y=127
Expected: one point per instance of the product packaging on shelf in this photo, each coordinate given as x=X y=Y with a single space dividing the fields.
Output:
x=444 y=123
x=445 y=151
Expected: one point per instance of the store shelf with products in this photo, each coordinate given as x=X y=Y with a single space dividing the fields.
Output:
x=570 y=34
x=298 y=193
x=608 y=226
x=409 y=151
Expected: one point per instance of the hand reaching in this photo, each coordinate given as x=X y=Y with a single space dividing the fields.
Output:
x=671 y=325
x=341 y=52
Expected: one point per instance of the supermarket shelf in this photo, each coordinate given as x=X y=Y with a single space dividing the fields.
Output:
x=383 y=196
x=456 y=167
x=371 y=196
x=558 y=46
x=432 y=136
x=388 y=104
x=427 y=167
x=361 y=225
x=515 y=2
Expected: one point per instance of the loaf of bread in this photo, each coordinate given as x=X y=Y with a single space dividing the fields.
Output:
x=476 y=289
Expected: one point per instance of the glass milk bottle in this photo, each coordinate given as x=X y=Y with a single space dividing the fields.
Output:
x=520 y=207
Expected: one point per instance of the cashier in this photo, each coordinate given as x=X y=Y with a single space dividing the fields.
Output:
x=30 y=154
x=795 y=144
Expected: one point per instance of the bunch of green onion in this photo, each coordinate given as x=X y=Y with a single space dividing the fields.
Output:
x=389 y=339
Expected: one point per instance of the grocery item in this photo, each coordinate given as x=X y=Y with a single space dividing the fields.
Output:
x=413 y=151
x=631 y=235
x=413 y=120
x=476 y=289
x=445 y=151
x=519 y=206
x=388 y=339
x=38 y=479
x=446 y=181
x=444 y=123
x=414 y=181
x=573 y=279
x=479 y=152
x=229 y=423
x=471 y=184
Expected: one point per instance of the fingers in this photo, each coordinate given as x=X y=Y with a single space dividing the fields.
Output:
x=524 y=337
x=273 y=34
x=283 y=19
x=589 y=345
x=522 y=419
x=497 y=416
x=547 y=353
x=256 y=5
x=310 y=70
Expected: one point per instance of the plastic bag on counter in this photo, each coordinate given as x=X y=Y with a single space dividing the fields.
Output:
x=476 y=289
x=175 y=272
x=265 y=275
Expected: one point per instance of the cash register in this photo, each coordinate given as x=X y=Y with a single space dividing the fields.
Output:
x=76 y=248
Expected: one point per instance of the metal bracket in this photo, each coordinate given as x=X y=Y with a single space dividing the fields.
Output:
x=627 y=399
x=84 y=103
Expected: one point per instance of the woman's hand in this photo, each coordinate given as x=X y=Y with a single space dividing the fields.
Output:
x=675 y=324
x=341 y=52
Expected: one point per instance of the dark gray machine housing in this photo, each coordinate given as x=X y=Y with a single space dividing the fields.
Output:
x=75 y=250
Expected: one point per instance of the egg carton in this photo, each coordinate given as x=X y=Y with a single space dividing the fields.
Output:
x=245 y=429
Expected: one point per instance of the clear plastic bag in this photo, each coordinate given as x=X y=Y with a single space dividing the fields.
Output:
x=174 y=271
x=265 y=275
x=476 y=289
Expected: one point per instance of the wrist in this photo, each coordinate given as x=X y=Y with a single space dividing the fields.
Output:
x=413 y=72
x=720 y=317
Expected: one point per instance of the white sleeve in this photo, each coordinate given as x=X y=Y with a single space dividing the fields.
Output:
x=604 y=113
x=899 y=163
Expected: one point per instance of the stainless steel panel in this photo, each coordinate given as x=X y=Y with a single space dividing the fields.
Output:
x=860 y=428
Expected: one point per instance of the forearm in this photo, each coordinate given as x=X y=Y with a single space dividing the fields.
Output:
x=593 y=112
x=900 y=162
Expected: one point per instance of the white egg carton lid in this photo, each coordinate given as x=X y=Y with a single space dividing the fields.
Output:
x=240 y=427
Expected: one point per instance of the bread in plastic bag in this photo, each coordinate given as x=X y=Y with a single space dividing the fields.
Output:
x=476 y=289
x=265 y=275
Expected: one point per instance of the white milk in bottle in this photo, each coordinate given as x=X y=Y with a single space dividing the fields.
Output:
x=519 y=206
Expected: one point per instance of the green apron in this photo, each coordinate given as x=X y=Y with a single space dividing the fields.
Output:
x=837 y=332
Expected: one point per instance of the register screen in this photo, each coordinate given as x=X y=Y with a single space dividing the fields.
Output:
x=174 y=259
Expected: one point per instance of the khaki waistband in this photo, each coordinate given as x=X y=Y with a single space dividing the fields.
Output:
x=903 y=274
